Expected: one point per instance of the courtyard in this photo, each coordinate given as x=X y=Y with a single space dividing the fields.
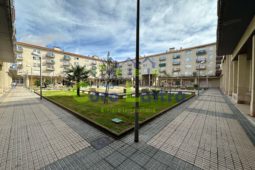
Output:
x=94 y=109
x=206 y=132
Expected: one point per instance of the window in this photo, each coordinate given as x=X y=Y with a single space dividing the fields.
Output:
x=188 y=59
x=188 y=52
x=162 y=64
x=77 y=58
x=36 y=51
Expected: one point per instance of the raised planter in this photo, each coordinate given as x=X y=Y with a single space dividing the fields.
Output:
x=109 y=131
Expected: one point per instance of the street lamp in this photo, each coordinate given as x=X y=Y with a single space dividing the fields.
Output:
x=198 y=83
x=136 y=137
x=30 y=74
x=40 y=76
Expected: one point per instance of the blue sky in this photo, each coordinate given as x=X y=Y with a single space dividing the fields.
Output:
x=93 y=27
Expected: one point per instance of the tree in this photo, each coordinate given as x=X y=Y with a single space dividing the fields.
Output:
x=108 y=71
x=77 y=73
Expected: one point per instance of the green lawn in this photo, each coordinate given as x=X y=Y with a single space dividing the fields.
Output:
x=104 y=113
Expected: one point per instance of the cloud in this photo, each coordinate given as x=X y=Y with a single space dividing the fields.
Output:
x=93 y=27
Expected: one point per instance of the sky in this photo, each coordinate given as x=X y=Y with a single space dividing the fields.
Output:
x=94 y=27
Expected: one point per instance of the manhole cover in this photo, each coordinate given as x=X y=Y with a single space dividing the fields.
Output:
x=101 y=142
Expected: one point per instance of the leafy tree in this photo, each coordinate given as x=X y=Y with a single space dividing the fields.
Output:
x=78 y=74
x=108 y=68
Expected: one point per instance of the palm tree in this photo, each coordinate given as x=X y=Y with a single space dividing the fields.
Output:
x=77 y=73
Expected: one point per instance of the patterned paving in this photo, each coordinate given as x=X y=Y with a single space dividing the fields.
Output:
x=210 y=140
x=205 y=132
x=31 y=136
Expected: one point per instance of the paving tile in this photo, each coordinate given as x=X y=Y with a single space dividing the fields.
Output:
x=115 y=159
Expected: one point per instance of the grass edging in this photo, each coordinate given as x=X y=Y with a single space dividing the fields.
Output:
x=106 y=129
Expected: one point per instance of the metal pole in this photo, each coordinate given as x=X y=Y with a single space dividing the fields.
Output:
x=198 y=82
x=31 y=76
x=40 y=77
x=137 y=73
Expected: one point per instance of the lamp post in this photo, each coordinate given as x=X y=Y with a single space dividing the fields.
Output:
x=136 y=129
x=198 y=81
x=30 y=74
x=40 y=77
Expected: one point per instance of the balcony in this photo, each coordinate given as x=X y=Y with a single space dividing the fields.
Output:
x=201 y=60
x=218 y=66
x=218 y=61
x=93 y=67
x=67 y=57
x=50 y=55
x=162 y=65
x=19 y=49
x=176 y=62
x=19 y=57
x=129 y=64
x=176 y=69
x=50 y=62
x=50 y=68
x=199 y=67
x=66 y=64
x=176 y=56
x=130 y=73
x=162 y=58
x=201 y=52
x=162 y=70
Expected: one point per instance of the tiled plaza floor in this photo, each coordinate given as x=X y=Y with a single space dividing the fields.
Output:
x=205 y=132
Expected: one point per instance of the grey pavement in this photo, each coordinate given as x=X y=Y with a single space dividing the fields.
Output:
x=206 y=132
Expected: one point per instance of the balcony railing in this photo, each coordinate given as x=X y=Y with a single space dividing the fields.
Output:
x=176 y=56
x=162 y=58
x=50 y=68
x=201 y=52
x=162 y=70
x=50 y=62
x=67 y=57
x=200 y=67
x=19 y=57
x=218 y=61
x=130 y=73
x=200 y=60
x=66 y=64
x=176 y=62
x=50 y=55
x=19 y=49
x=176 y=69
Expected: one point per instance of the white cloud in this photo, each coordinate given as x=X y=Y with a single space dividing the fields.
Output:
x=93 y=27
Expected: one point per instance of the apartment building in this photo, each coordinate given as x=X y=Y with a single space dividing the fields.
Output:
x=182 y=67
x=177 y=67
x=7 y=32
x=236 y=42
x=55 y=62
